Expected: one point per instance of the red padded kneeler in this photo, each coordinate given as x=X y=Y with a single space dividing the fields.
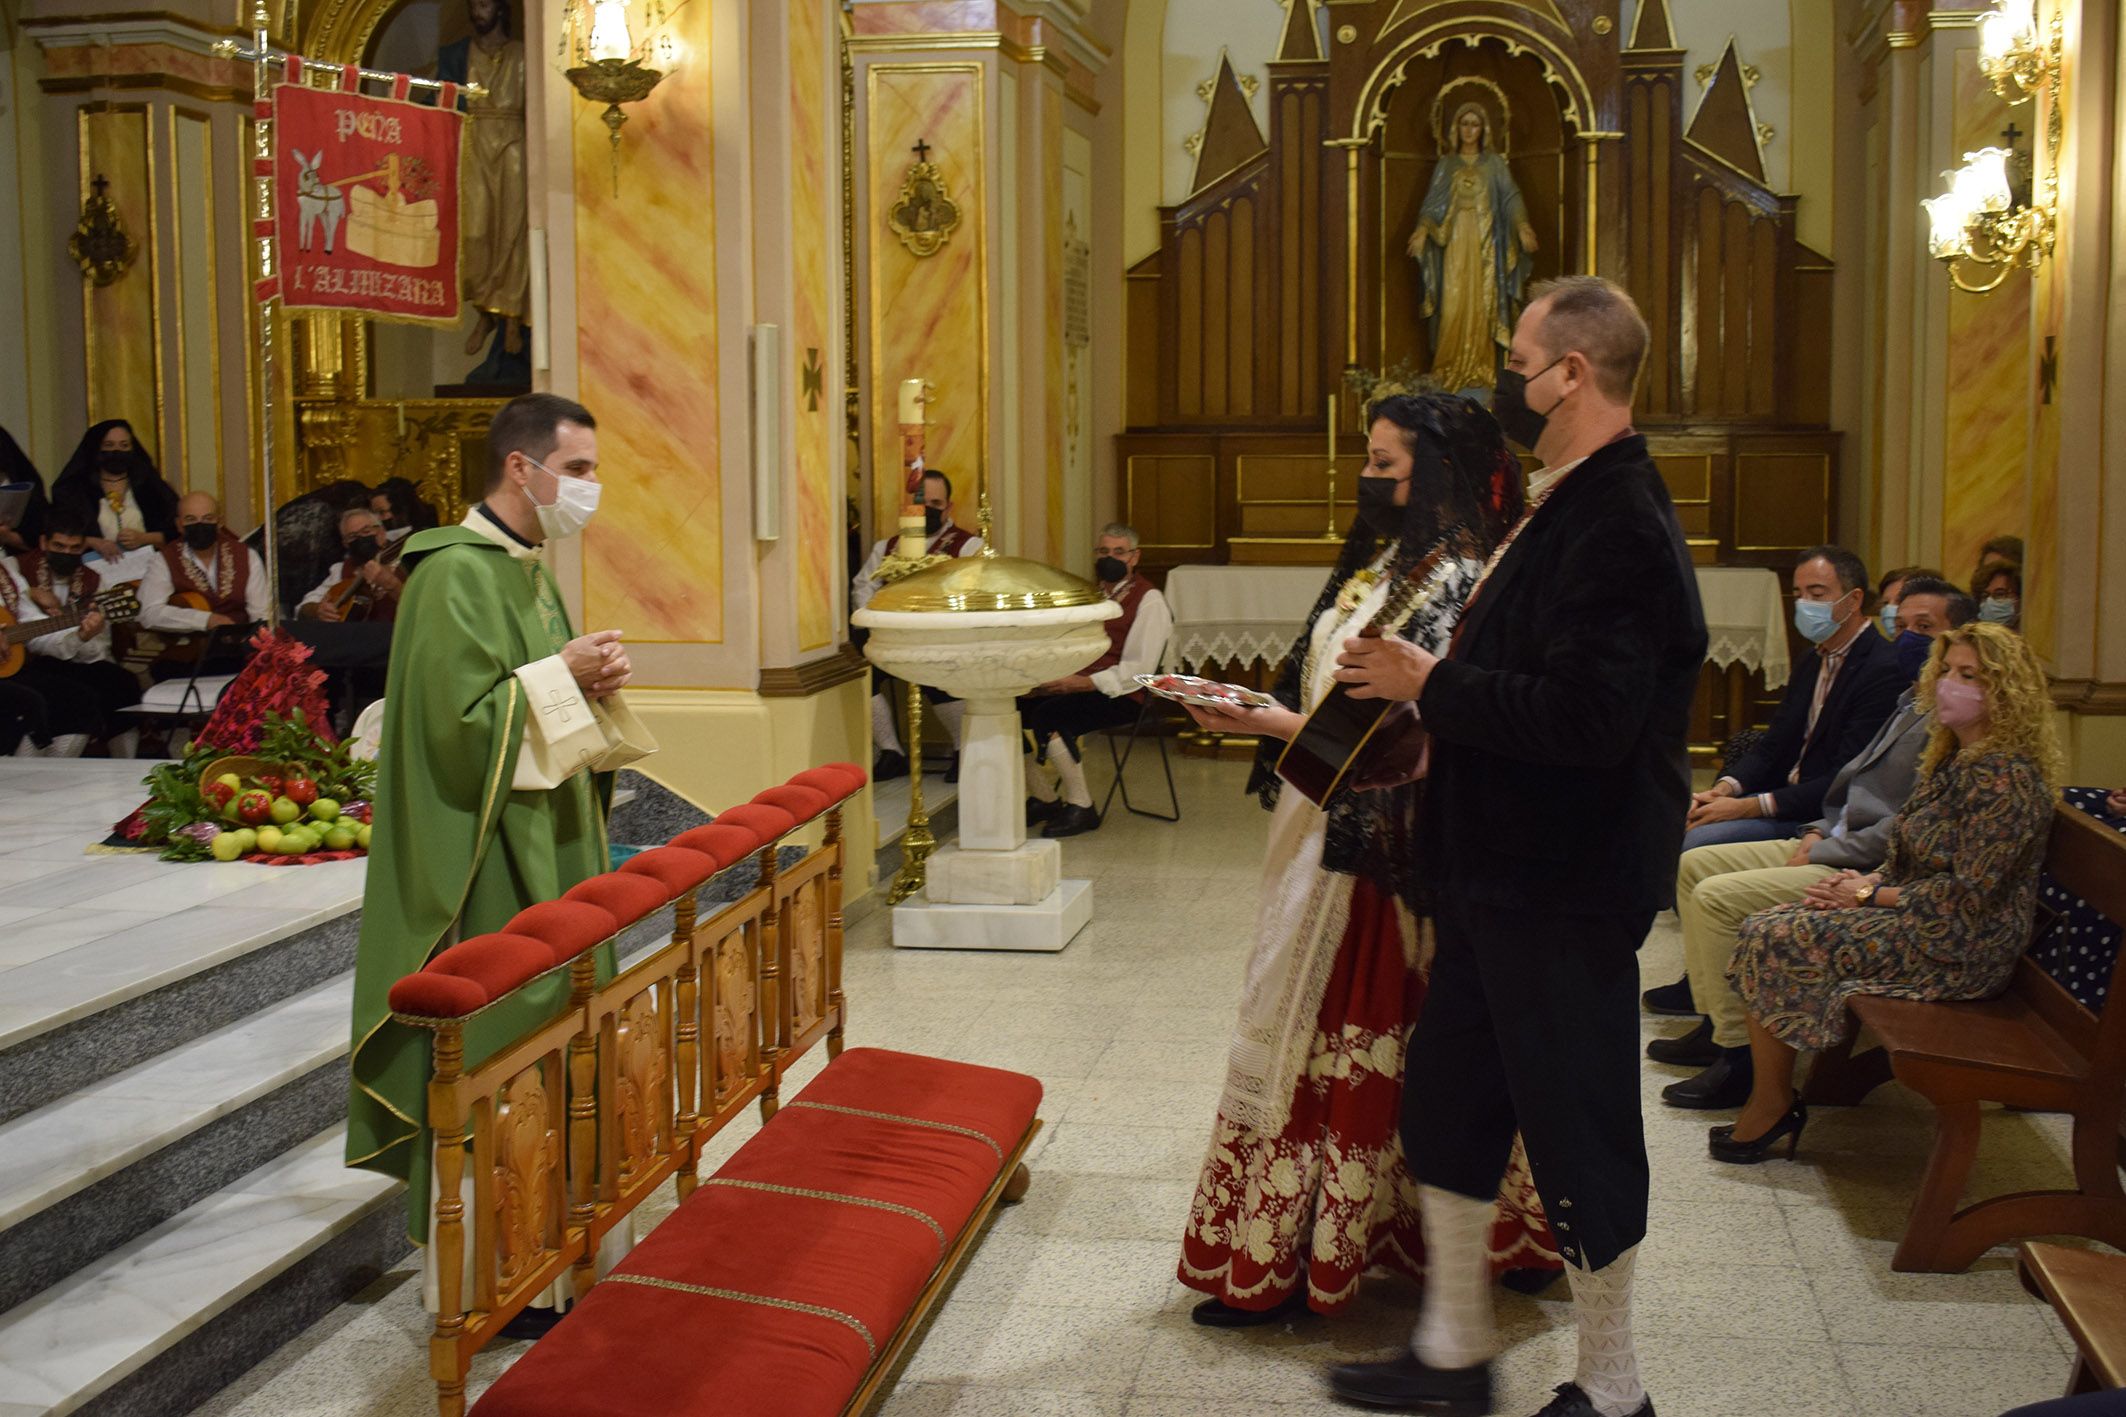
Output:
x=770 y=1292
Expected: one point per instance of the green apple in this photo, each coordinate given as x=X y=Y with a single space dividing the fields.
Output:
x=269 y=839
x=361 y=836
x=232 y=780
x=285 y=810
x=292 y=845
x=324 y=809
x=339 y=838
x=248 y=839
x=226 y=847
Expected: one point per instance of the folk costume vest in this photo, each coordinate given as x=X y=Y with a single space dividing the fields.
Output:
x=227 y=595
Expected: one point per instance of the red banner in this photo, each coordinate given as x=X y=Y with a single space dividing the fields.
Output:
x=366 y=204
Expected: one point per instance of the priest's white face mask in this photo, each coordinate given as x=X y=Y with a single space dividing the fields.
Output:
x=575 y=501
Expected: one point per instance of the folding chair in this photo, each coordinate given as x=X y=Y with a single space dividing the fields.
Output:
x=181 y=705
x=1146 y=716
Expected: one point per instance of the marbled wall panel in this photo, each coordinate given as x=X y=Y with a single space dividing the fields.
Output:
x=925 y=16
x=1986 y=404
x=124 y=343
x=653 y=561
x=1052 y=354
x=813 y=181
x=929 y=315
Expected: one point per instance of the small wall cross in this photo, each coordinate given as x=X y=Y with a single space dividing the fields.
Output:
x=921 y=150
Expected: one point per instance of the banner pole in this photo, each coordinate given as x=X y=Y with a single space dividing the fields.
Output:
x=262 y=219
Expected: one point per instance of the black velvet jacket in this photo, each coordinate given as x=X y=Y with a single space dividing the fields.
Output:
x=1560 y=777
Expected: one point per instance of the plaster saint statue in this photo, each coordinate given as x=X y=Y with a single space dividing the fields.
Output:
x=1473 y=246
x=493 y=216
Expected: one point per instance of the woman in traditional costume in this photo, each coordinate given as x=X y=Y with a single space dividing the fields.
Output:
x=111 y=478
x=1304 y=1187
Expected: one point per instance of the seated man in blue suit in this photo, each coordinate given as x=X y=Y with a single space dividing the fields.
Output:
x=1841 y=692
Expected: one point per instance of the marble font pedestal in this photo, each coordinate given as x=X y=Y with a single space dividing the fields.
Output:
x=995 y=890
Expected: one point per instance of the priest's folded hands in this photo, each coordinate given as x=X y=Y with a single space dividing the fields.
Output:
x=597 y=663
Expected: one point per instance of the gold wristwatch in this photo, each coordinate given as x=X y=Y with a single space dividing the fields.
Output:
x=1866 y=894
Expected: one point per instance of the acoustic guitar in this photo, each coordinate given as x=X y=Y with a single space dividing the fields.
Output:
x=356 y=600
x=116 y=604
x=1331 y=750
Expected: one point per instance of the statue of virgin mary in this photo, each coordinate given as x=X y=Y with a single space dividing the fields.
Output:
x=1473 y=246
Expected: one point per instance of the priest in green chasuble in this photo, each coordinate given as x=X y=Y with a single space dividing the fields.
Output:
x=488 y=797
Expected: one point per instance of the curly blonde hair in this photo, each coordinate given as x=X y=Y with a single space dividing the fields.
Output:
x=2018 y=700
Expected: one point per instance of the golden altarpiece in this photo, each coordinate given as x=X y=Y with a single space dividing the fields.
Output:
x=1290 y=265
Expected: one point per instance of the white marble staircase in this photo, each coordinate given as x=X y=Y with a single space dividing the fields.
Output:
x=173 y=1074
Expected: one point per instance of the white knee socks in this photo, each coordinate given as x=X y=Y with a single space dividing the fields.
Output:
x=1454 y=1328
x=1601 y=1311
x=885 y=737
x=1038 y=786
x=1071 y=771
x=951 y=715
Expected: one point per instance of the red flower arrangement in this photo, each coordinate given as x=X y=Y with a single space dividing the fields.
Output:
x=277 y=681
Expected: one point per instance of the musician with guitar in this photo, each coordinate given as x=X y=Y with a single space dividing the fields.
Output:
x=204 y=580
x=1305 y=1186
x=55 y=641
x=364 y=583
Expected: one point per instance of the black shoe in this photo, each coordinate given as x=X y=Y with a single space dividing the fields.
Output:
x=1720 y=1141
x=1405 y=1384
x=1038 y=811
x=1694 y=1049
x=531 y=1325
x=1529 y=1281
x=888 y=766
x=1070 y=821
x=1722 y=1087
x=1674 y=999
x=952 y=769
x=1216 y=1313
x=1571 y=1401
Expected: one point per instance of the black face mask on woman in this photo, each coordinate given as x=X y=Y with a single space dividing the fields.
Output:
x=201 y=535
x=1376 y=506
x=1510 y=405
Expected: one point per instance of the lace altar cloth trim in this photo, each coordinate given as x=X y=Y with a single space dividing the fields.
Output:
x=1197 y=646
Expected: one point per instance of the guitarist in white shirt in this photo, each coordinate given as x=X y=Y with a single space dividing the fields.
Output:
x=73 y=669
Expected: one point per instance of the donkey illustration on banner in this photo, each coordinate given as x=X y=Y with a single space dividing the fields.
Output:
x=315 y=201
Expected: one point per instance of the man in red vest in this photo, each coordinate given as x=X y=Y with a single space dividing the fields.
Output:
x=206 y=561
x=1104 y=694
x=947 y=538
x=72 y=669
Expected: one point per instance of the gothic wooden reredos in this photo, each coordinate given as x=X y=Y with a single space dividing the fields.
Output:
x=1287 y=264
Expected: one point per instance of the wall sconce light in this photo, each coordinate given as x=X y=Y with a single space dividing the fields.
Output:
x=1983 y=221
x=606 y=64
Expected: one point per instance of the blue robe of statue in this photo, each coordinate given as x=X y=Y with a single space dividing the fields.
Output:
x=1494 y=275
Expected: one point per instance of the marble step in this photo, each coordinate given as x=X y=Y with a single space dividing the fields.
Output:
x=170 y=1317
x=87 y=1173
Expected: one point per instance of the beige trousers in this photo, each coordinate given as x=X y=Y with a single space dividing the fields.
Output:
x=1716 y=888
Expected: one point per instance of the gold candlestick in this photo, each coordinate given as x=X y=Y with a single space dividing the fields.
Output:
x=916 y=843
x=1330 y=533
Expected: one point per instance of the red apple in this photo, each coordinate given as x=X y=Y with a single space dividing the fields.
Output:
x=218 y=794
x=254 y=807
x=271 y=783
x=301 y=791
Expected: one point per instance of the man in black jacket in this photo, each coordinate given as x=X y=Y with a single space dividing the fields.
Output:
x=1566 y=697
x=1841 y=694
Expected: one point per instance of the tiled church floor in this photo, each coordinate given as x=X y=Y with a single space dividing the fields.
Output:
x=1761 y=1290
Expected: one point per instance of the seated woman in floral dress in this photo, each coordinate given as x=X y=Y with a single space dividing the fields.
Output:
x=1304 y=1187
x=1949 y=913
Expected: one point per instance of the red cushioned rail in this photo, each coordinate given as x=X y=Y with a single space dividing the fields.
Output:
x=474 y=973
x=789 y=1295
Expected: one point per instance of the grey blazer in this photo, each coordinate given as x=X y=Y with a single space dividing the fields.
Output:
x=1870 y=791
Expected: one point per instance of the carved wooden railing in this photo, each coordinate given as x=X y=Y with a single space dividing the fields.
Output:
x=571 y=1126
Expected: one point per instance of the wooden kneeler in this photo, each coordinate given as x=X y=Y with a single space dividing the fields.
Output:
x=574 y=1124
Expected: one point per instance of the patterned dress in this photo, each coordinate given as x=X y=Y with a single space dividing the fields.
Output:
x=2077 y=945
x=1305 y=1174
x=1964 y=855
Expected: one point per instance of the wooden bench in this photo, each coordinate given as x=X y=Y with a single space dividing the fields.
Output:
x=545 y=1148
x=2034 y=1047
x=2087 y=1290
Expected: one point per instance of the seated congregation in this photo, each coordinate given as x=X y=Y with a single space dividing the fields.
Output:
x=114 y=583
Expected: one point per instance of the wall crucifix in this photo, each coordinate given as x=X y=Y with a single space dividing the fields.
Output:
x=923 y=214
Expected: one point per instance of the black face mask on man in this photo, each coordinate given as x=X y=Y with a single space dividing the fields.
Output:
x=201 y=535
x=1509 y=405
x=933 y=520
x=62 y=564
x=363 y=548
x=1376 y=506
x=1111 y=570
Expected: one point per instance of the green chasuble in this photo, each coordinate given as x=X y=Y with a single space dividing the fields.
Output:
x=455 y=852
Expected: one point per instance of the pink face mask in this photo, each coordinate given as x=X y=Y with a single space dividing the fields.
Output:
x=1958 y=704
